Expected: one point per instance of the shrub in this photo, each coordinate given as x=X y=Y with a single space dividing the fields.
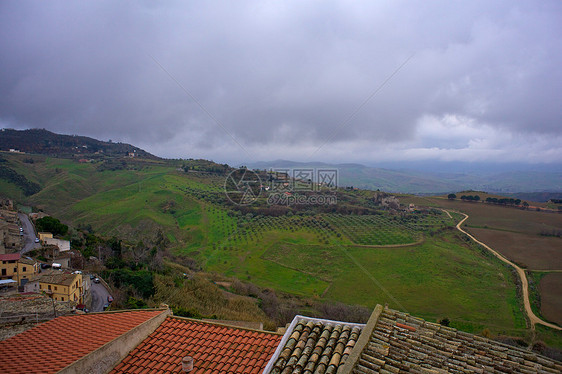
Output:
x=141 y=280
x=189 y=313
x=135 y=303
x=51 y=225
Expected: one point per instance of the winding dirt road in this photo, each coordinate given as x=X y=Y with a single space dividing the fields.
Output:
x=524 y=284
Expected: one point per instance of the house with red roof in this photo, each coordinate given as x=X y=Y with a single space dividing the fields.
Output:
x=136 y=341
x=80 y=343
x=155 y=341
x=209 y=347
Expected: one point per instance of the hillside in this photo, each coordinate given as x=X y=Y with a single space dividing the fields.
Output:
x=356 y=252
x=41 y=141
x=308 y=252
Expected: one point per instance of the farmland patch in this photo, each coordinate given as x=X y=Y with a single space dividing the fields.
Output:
x=550 y=288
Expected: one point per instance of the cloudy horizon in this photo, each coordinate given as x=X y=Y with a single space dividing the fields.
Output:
x=306 y=81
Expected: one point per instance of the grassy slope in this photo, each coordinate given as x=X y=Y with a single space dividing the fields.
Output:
x=433 y=280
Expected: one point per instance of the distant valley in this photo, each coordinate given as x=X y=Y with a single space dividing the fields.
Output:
x=525 y=184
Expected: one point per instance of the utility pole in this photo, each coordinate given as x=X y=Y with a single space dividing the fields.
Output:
x=51 y=295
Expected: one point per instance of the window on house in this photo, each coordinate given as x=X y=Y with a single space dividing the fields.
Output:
x=24 y=268
x=49 y=286
x=62 y=298
x=55 y=288
x=3 y=271
x=15 y=270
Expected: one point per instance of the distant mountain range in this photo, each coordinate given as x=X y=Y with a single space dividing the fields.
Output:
x=427 y=182
x=41 y=141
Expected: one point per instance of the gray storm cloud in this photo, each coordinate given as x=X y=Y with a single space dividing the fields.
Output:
x=283 y=77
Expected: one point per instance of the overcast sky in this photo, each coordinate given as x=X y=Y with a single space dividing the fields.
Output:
x=360 y=81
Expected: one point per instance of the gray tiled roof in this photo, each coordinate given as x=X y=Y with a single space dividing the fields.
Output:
x=395 y=342
x=56 y=277
x=314 y=346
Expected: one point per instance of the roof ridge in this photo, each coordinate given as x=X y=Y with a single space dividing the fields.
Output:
x=114 y=351
x=121 y=311
x=329 y=321
x=223 y=324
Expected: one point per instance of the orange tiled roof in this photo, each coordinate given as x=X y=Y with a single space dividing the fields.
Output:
x=53 y=345
x=215 y=349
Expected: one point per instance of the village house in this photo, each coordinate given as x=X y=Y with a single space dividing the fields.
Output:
x=15 y=267
x=62 y=245
x=44 y=236
x=10 y=235
x=63 y=260
x=62 y=286
x=32 y=286
x=10 y=238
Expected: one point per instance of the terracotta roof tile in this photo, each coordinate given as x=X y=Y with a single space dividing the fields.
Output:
x=63 y=340
x=212 y=346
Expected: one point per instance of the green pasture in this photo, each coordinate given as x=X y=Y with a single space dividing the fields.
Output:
x=322 y=255
x=443 y=277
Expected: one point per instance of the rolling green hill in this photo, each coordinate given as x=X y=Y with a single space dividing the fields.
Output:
x=41 y=141
x=412 y=261
x=355 y=251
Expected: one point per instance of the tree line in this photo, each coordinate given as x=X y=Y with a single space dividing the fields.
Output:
x=470 y=198
x=503 y=201
x=452 y=196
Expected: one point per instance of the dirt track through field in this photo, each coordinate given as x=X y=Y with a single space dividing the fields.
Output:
x=524 y=284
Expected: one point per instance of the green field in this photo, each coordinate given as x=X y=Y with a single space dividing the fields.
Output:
x=414 y=261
